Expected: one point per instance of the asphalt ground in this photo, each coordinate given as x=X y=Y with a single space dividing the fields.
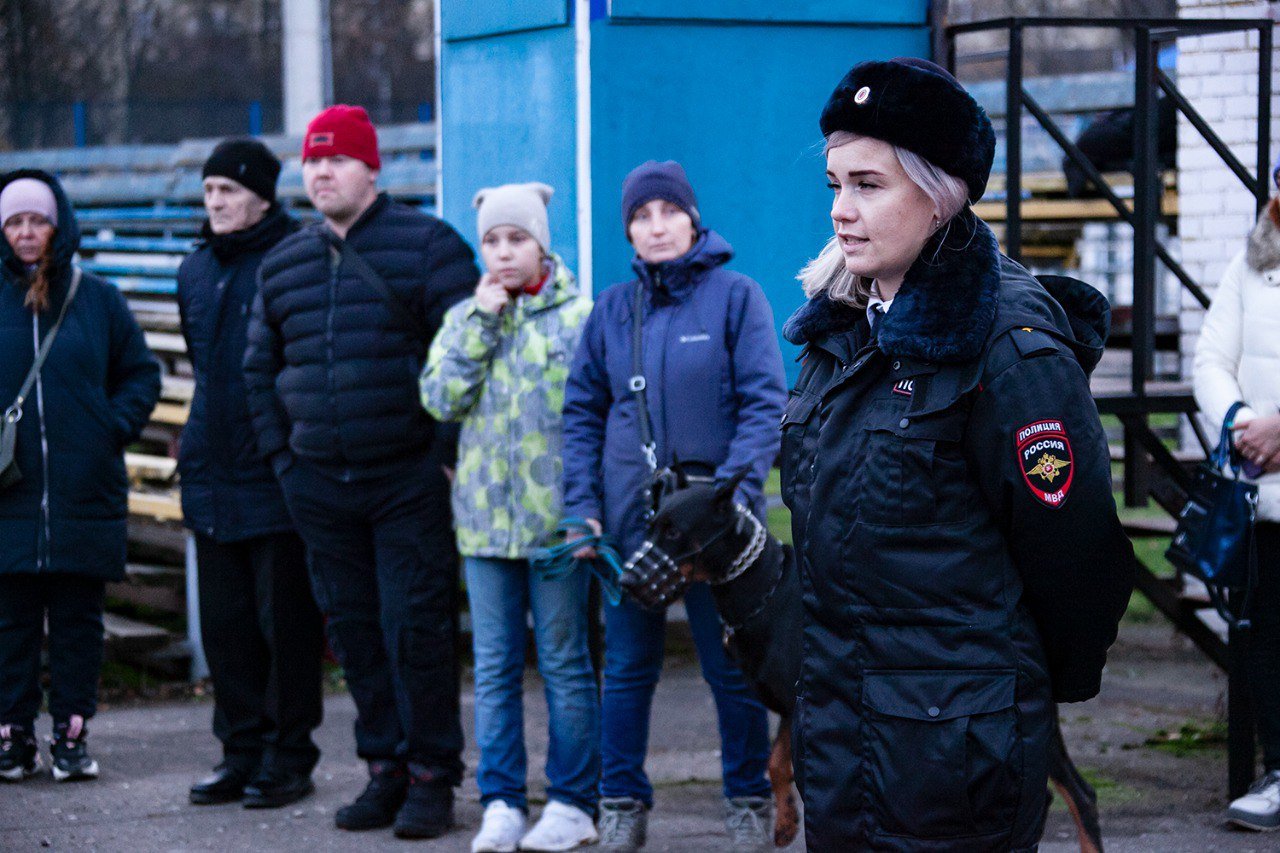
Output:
x=1167 y=798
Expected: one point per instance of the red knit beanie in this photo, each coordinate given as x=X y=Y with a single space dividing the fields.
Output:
x=342 y=129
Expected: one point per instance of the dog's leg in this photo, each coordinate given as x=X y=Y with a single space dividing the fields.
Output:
x=786 y=820
x=1078 y=794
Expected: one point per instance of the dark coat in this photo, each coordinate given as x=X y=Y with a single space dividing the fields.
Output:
x=962 y=564
x=716 y=386
x=332 y=370
x=229 y=492
x=96 y=390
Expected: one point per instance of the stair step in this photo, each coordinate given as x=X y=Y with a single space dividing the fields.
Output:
x=1156 y=526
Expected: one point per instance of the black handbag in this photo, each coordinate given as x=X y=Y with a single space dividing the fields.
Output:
x=10 y=473
x=1214 y=540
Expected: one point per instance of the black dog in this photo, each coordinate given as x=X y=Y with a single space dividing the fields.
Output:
x=699 y=533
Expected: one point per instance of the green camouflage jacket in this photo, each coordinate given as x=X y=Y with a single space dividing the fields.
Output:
x=503 y=376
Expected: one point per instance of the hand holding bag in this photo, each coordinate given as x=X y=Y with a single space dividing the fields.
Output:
x=1214 y=539
x=9 y=471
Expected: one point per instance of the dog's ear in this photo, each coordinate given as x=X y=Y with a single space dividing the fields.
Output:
x=726 y=488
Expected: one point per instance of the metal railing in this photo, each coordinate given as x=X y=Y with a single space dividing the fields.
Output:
x=1135 y=407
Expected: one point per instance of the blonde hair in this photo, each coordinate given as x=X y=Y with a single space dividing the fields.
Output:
x=827 y=274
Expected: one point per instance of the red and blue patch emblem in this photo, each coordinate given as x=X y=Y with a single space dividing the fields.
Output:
x=906 y=387
x=1046 y=461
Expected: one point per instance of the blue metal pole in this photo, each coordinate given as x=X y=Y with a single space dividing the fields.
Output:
x=80 y=122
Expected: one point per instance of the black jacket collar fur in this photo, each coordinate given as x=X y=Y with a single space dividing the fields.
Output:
x=945 y=309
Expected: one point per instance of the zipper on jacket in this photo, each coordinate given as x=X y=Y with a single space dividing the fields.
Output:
x=335 y=262
x=44 y=547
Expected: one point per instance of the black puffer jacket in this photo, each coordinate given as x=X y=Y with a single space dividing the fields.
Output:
x=332 y=370
x=961 y=559
x=228 y=490
x=95 y=392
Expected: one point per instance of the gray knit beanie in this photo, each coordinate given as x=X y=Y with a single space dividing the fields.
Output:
x=521 y=205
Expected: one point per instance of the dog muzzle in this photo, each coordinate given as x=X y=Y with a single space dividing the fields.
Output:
x=653 y=578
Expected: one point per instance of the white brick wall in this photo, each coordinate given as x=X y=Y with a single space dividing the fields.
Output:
x=1219 y=76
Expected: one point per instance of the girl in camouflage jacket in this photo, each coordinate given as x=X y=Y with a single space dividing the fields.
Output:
x=499 y=365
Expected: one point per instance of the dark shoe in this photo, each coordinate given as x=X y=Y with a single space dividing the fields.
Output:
x=71 y=761
x=225 y=785
x=273 y=788
x=376 y=807
x=428 y=809
x=19 y=753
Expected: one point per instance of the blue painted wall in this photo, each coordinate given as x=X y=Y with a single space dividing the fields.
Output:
x=507 y=109
x=730 y=88
x=739 y=109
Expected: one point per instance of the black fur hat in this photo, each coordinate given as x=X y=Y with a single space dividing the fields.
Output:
x=918 y=106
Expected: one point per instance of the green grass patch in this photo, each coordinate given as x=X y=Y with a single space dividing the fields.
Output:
x=1194 y=737
x=1111 y=792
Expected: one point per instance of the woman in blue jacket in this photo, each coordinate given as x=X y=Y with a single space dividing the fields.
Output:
x=715 y=393
x=62 y=525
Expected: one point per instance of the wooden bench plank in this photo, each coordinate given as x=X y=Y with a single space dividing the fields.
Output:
x=120 y=631
x=170 y=414
x=163 y=507
x=144 y=466
x=167 y=343
x=1064 y=209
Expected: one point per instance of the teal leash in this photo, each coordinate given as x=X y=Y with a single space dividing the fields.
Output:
x=555 y=559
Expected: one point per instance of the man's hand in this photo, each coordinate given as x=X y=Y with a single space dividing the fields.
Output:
x=1258 y=441
x=491 y=297
x=587 y=553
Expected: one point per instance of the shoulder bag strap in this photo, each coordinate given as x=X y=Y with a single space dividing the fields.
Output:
x=14 y=412
x=1224 y=453
x=371 y=277
x=638 y=383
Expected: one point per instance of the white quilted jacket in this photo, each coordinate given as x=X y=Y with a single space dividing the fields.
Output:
x=1238 y=354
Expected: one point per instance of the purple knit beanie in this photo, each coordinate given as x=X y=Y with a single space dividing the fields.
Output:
x=666 y=181
x=28 y=195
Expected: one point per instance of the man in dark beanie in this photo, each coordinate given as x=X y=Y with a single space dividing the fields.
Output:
x=339 y=336
x=259 y=624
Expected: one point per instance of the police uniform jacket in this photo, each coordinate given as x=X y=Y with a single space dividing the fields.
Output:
x=961 y=560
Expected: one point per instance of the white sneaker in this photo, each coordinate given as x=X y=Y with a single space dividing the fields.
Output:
x=500 y=830
x=1260 y=808
x=561 y=827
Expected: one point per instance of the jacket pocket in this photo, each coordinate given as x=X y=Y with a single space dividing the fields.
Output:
x=908 y=465
x=800 y=407
x=942 y=751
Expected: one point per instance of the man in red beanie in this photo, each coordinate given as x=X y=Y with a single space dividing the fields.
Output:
x=342 y=323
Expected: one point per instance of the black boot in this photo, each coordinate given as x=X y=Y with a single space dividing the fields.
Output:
x=224 y=785
x=428 y=809
x=275 y=787
x=71 y=761
x=376 y=807
x=19 y=753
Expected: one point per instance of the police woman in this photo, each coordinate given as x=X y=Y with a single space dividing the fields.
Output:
x=962 y=564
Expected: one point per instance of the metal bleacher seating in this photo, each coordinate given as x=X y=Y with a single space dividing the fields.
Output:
x=140 y=211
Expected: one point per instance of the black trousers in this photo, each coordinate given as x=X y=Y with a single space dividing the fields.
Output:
x=263 y=639
x=73 y=604
x=384 y=567
x=1264 y=644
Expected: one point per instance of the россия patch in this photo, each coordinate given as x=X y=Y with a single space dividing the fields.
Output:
x=1044 y=455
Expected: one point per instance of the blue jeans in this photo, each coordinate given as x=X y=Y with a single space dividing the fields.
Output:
x=633 y=660
x=501 y=593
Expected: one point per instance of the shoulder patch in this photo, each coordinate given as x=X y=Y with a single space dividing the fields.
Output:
x=1045 y=459
x=1032 y=341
